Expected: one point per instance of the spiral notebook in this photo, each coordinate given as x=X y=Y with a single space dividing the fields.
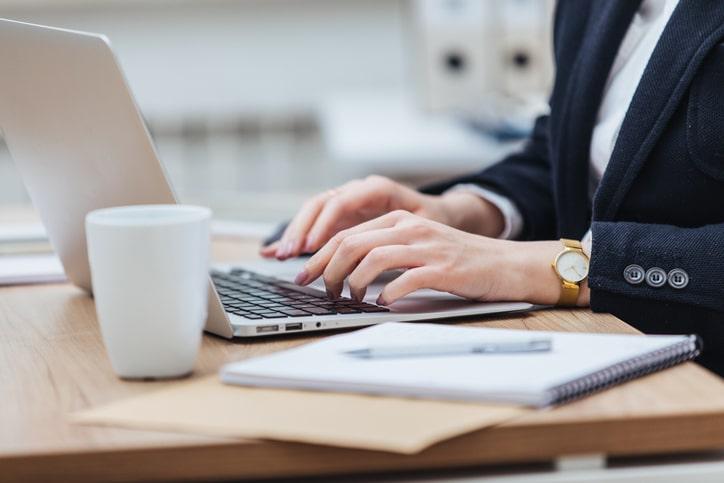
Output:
x=577 y=364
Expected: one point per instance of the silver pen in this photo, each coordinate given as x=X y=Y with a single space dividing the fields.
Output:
x=492 y=347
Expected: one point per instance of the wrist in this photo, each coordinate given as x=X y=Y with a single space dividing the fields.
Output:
x=539 y=283
x=531 y=278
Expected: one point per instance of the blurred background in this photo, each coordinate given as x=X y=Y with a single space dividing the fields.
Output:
x=254 y=105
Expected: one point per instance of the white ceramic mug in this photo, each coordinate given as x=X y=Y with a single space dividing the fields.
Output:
x=149 y=267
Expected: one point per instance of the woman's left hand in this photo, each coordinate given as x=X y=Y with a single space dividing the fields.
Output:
x=438 y=257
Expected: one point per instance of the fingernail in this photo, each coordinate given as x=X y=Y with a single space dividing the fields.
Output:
x=293 y=249
x=284 y=250
x=301 y=278
x=310 y=243
x=381 y=301
x=280 y=251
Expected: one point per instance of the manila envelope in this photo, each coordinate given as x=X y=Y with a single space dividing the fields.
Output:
x=208 y=407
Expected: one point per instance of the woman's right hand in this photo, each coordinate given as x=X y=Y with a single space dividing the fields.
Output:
x=355 y=202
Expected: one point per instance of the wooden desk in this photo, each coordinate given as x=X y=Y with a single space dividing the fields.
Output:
x=52 y=362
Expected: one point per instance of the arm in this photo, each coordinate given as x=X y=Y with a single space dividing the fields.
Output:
x=522 y=181
x=525 y=179
x=512 y=221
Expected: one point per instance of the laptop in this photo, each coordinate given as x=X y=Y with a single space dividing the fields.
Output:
x=80 y=143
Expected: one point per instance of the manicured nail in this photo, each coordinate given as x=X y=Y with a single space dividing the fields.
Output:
x=284 y=250
x=309 y=244
x=381 y=301
x=293 y=248
x=280 y=251
x=301 y=278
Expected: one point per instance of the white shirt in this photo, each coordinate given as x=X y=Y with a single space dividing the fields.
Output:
x=628 y=68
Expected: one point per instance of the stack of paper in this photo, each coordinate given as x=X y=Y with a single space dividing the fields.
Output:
x=24 y=269
x=26 y=255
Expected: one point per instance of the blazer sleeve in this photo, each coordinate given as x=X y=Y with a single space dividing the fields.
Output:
x=524 y=178
x=696 y=251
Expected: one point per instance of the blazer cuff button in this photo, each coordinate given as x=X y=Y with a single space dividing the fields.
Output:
x=633 y=274
x=678 y=278
x=656 y=277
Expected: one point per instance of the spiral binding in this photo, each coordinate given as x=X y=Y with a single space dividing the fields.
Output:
x=625 y=371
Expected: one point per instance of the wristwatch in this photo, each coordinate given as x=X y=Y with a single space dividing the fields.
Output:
x=571 y=266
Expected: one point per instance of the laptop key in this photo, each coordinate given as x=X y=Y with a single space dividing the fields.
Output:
x=236 y=305
x=249 y=315
x=268 y=303
x=275 y=298
x=294 y=312
x=238 y=312
x=271 y=315
x=328 y=304
x=373 y=308
x=320 y=311
x=347 y=310
x=361 y=306
x=249 y=299
x=300 y=305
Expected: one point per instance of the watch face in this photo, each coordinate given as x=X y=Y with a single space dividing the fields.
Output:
x=572 y=266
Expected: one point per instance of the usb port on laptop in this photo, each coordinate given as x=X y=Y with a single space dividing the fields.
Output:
x=263 y=329
x=297 y=326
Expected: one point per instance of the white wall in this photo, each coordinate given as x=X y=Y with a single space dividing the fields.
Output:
x=239 y=57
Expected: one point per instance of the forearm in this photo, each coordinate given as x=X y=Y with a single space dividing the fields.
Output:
x=525 y=179
x=469 y=212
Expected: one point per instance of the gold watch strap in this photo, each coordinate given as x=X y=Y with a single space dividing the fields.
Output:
x=568 y=243
x=569 y=294
x=569 y=290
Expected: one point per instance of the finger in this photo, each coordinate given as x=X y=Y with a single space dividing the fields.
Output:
x=354 y=248
x=292 y=240
x=405 y=284
x=269 y=250
x=379 y=260
x=314 y=268
x=350 y=198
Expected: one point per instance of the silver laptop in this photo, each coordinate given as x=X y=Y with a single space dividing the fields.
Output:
x=80 y=143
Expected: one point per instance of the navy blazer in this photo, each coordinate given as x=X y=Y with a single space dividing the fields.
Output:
x=661 y=200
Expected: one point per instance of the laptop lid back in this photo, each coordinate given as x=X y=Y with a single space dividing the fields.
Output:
x=77 y=137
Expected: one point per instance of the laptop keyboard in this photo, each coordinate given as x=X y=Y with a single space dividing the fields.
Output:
x=257 y=296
